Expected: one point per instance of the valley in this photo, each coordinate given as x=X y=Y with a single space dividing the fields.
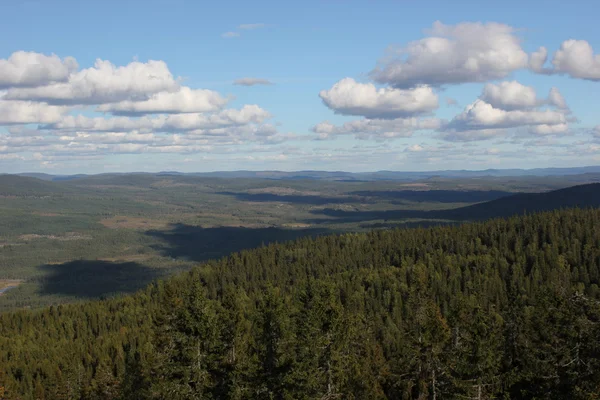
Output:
x=96 y=236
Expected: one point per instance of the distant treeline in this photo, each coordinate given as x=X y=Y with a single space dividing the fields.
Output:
x=507 y=308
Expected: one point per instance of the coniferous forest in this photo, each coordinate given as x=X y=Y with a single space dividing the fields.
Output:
x=507 y=308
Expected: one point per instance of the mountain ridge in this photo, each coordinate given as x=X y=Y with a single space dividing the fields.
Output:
x=344 y=175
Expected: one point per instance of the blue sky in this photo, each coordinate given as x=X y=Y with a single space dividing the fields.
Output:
x=352 y=85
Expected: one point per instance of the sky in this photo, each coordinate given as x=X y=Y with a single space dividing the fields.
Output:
x=157 y=85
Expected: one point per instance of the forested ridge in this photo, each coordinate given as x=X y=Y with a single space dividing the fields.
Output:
x=507 y=308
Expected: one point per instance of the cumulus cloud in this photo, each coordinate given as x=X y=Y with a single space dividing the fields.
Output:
x=577 y=59
x=556 y=99
x=266 y=130
x=596 y=131
x=545 y=129
x=538 y=59
x=231 y=117
x=513 y=95
x=481 y=115
x=28 y=142
x=252 y=82
x=185 y=100
x=29 y=69
x=99 y=124
x=376 y=128
x=78 y=144
x=510 y=95
x=112 y=137
x=467 y=52
x=150 y=112
x=248 y=114
x=104 y=83
x=508 y=106
x=27 y=112
x=349 y=97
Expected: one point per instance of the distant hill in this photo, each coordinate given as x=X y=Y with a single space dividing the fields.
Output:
x=582 y=196
x=49 y=177
x=398 y=175
x=15 y=185
x=352 y=176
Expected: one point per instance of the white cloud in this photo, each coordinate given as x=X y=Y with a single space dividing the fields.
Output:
x=577 y=59
x=185 y=100
x=512 y=95
x=230 y=35
x=415 y=148
x=538 y=59
x=11 y=157
x=596 y=131
x=455 y=135
x=509 y=95
x=104 y=83
x=349 y=97
x=112 y=137
x=251 y=82
x=99 y=124
x=77 y=144
x=27 y=112
x=467 y=52
x=251 y=26
x=16 y=143
x=248 y=114
x=28 y=69
x=549 y=129
x=376 y=128
x=508 y=107
x=231 y=117
x=266 y=130
x=556 y=99
x=481 y=115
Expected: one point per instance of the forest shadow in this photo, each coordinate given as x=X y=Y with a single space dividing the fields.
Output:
x=313 y=200
x=196 y=243
x=434 y=196
x=373 y=196
x=95 y=278
x=407 y=225
x=345 y=217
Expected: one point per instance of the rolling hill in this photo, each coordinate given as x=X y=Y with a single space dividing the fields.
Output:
x=582 y=196
x=355 y=176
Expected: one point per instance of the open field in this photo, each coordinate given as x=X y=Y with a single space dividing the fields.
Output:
x=101 y=235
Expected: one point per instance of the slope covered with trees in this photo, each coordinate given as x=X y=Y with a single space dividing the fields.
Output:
x=575 y=196
x=500 y=309
x=581 y=196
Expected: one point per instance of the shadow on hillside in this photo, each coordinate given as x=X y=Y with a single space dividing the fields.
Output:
x=200 y=244
x=406 y=225
x=345 y=217
x=313 y=200
x=93 y=279
x=434 y=196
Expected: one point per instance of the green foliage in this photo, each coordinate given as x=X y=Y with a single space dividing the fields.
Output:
x=500 y=309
